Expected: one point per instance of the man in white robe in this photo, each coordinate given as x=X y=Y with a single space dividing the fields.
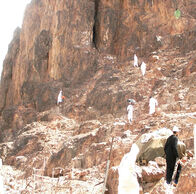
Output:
x=152 y=104
x=60 y=98
x=143 y=68
x=135 y=64
x=130 y=110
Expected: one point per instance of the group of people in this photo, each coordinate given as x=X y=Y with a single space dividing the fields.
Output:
x=171 y=143
x=152 y=106
x=152 y=102
x=170 y=148
x=143 y=65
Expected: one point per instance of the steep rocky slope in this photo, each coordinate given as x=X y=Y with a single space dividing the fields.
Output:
x=86 y=49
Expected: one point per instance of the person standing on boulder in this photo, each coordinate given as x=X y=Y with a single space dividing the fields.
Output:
x=130 y=110
x=171 y=152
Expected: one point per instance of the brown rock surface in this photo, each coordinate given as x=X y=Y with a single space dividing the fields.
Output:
x=53 y=50
x=86 y=49
x=152 y=173
x=187 y=179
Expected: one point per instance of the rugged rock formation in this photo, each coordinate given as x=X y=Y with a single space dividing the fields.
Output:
x=86 y=48
x=151 y=145
x=53 y=50
x=187 y=180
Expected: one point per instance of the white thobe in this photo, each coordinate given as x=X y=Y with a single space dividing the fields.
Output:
x=130 y=113
x=135 y=61
x=59 y=99
x=152 y=103
x=143 y=68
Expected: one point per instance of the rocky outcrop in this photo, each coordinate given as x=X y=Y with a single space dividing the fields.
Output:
x=151 y=145
x=58 y=49
x=152 y=172
x=187 y=178
x=49 y=51
x=86 y=49
x=6 y=77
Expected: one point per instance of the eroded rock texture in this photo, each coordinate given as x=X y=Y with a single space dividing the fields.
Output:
x=85 y=48
x=59 y=42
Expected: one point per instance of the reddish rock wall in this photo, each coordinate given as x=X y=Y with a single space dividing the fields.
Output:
x=86 y=48
x=59 y=41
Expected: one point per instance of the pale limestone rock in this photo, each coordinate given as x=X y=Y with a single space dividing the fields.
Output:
x=128 y=182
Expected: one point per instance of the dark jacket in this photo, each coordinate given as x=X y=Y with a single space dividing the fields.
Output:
x=171 y=147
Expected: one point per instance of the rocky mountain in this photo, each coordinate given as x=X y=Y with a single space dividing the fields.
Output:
x=86 y=48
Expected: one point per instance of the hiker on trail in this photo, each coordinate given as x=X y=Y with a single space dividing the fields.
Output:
x=152 y=104
x=135 y=64
x=130 y=110
x=143 y=68
x=60 y=98
x=171 y=152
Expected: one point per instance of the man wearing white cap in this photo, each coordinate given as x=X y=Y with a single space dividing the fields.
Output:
x=171 y=154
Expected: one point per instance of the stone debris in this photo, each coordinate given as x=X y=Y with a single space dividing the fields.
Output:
x=86 y=48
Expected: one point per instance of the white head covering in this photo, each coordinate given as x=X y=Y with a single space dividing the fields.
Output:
x=175 y=129
x=132 y=101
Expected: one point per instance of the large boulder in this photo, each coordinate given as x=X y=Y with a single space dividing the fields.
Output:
x=152 y=144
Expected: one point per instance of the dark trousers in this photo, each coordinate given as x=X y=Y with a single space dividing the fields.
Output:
x=179 y=168
x=170 y=169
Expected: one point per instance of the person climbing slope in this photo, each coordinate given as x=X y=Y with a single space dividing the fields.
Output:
x=152 y=104
x=135 y=64
x=143 y=68
x=60 y=98
x=130 y=110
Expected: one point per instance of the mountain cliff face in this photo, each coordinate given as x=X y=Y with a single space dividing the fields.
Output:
x=69 y=45
x=60 y=43
x=86 y=48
